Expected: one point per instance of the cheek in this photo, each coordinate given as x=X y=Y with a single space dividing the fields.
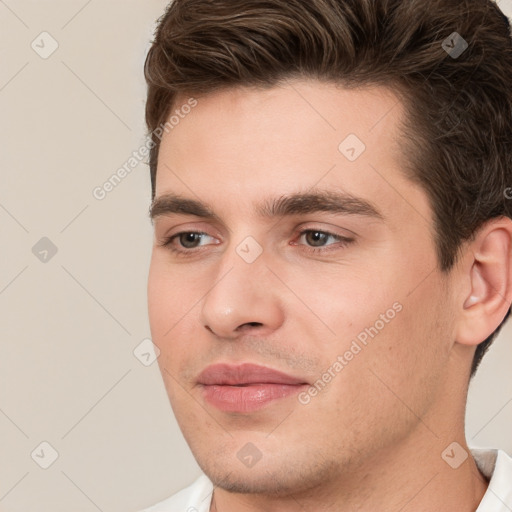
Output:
x=401 y=367
x=385 y=387
x=158 y=305
x=390 y=340
x=167 y=309
x=169 y=297
x=342 y=303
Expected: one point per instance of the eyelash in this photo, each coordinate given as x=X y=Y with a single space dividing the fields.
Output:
x=343 y=242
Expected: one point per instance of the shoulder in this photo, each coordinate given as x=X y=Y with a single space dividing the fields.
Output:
x=496 y=465
x=492 y=462
x=194 y=498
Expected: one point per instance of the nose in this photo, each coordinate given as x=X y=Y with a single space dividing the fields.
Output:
x=244 y=298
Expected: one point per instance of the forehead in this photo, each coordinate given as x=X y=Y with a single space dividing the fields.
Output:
x=236 y=146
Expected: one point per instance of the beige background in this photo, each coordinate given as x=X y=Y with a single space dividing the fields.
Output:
x=69 y=326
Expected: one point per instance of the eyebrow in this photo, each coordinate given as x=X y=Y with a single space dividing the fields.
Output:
x=299 y=203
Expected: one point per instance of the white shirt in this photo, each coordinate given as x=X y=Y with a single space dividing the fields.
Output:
x=496 y=465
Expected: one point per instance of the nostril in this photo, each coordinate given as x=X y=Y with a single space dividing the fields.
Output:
x=248 y=325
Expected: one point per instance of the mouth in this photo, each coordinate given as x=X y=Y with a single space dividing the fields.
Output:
x=247 y=387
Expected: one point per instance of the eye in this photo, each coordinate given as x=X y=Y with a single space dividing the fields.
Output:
x=317 y=239
x=187 y=240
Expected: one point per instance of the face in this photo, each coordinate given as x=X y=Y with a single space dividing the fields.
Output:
x=294 y=326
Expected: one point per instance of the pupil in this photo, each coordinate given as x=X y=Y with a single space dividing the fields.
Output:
x=318 y=236
x=189 y=237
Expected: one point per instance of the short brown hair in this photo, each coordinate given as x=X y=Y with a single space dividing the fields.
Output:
x=458 y=132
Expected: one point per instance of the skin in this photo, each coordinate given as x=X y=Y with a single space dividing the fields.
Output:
x=372 y=439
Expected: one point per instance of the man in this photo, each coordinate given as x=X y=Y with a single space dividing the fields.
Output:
x=332 y=250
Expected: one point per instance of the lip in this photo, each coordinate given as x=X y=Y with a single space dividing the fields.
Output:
x=246 y=387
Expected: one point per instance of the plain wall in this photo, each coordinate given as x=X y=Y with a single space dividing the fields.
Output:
x=69 y=326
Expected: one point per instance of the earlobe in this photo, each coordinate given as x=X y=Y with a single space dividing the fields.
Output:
x=489 y=260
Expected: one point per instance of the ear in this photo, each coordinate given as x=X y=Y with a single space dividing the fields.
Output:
x=487 y=278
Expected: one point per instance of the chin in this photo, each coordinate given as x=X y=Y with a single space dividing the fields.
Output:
x=279 y=478
x=268 y=483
